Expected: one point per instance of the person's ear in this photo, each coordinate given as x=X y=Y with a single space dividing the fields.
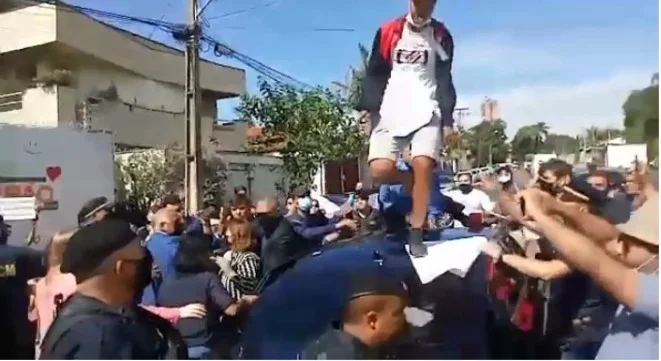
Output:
x=119 y=267
x=372 y=319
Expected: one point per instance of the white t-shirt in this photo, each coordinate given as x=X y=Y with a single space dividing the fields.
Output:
x=474 y=201
x=409 y=100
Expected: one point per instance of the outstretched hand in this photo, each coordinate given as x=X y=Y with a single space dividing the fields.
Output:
x=535 y=202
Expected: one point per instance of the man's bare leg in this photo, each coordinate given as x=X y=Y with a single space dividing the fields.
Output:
x=384 y=171
x=422 y=173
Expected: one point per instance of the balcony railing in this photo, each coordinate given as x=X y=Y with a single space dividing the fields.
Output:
x=11 y=101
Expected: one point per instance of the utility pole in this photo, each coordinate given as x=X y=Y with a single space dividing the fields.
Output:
x=192 y=90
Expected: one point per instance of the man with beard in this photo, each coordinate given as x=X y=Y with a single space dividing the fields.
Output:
x=409 y=97
x=102 y=319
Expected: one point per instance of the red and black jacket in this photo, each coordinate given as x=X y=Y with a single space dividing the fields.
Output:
x=380 y=65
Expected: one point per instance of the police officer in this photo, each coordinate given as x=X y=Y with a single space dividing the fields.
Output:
x=102 y=320
x=17 y=266
x=372 y=319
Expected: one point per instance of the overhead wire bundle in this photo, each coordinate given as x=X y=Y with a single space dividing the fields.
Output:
x=178 y=32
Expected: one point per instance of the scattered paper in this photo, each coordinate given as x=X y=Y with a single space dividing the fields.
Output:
x=456 y=256
x=18 y=208
x=417 y=317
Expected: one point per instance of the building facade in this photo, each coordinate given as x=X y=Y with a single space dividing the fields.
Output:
x=60 y=67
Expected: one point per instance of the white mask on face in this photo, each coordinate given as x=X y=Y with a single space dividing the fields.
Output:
x=504 y=178
x=648 y=262
x=414 y=20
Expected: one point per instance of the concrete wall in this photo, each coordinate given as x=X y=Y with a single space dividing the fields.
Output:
x=39 y=25
x=261 y=174
x=27 y=27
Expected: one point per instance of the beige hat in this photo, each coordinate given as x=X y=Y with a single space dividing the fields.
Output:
x=644 y=222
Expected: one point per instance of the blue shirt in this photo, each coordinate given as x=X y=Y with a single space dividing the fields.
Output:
x=162 y=248
x=634 y=332
x=395 y=195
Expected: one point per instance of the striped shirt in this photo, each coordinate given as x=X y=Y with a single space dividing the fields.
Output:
x=247 y=267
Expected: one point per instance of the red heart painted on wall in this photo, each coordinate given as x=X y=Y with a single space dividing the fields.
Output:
x=53 y=173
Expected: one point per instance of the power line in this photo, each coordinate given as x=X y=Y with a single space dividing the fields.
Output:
x=179 y=32
x=221 y=49
x=245 y=10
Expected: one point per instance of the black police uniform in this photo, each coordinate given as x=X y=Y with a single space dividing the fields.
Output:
x=336 y=344
x=17 y=266
x=87 y=328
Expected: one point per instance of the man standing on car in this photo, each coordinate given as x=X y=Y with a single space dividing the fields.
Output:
x=410 y=97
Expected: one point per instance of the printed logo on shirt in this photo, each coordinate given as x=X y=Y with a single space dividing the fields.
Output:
x=412 y=56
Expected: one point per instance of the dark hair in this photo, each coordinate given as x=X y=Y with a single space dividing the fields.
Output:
x=363 y=195
x=558 y=167
x=505 y=168
x=241 y=201
x=192 y=255
x=171 y=199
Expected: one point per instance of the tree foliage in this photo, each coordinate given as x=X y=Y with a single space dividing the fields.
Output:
x=529 y=139
x=311 y=127
x=560 y=144
x=487 y=142
x=145 y=176
x=641 y=118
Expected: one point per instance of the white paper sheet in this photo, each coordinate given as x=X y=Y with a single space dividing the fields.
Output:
x=417 y=317
x=456 y=256
x=17 y=208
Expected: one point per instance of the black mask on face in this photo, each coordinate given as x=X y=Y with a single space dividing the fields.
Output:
x=143 y=272
x=465 y=188
x=268 y=222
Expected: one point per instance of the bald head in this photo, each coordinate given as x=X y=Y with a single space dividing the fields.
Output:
x=266 y=205
x=166 y=220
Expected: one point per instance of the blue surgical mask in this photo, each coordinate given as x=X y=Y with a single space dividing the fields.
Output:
x=304 y=204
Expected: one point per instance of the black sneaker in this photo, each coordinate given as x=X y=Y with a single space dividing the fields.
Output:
x=416 y=246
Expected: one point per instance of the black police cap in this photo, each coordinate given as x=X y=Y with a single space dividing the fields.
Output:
x=376 y=283
x=92 y=206
x=92 y=244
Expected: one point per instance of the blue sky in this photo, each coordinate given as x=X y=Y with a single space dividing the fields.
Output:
x=568 y=63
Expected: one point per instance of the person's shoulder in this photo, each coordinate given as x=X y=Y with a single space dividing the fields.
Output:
x=88 y=337
x=331 y=345
x=393 y=23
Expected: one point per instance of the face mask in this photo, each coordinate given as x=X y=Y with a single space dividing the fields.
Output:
x=268 y=222
x=465 y=188
x=304 y=204
x=505 y=178
x=143 y=273
x=648 y=262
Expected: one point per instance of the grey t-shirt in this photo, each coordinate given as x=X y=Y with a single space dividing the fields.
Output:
x=634 y=333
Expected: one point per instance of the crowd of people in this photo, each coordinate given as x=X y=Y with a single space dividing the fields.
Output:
x=182 y=286
x=573 y=271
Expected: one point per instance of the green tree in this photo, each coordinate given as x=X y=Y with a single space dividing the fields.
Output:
x=310 y=128
x=641 y=119
x=529 y=139
x=560 y=144
x=487 y=143
x=144 y=176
